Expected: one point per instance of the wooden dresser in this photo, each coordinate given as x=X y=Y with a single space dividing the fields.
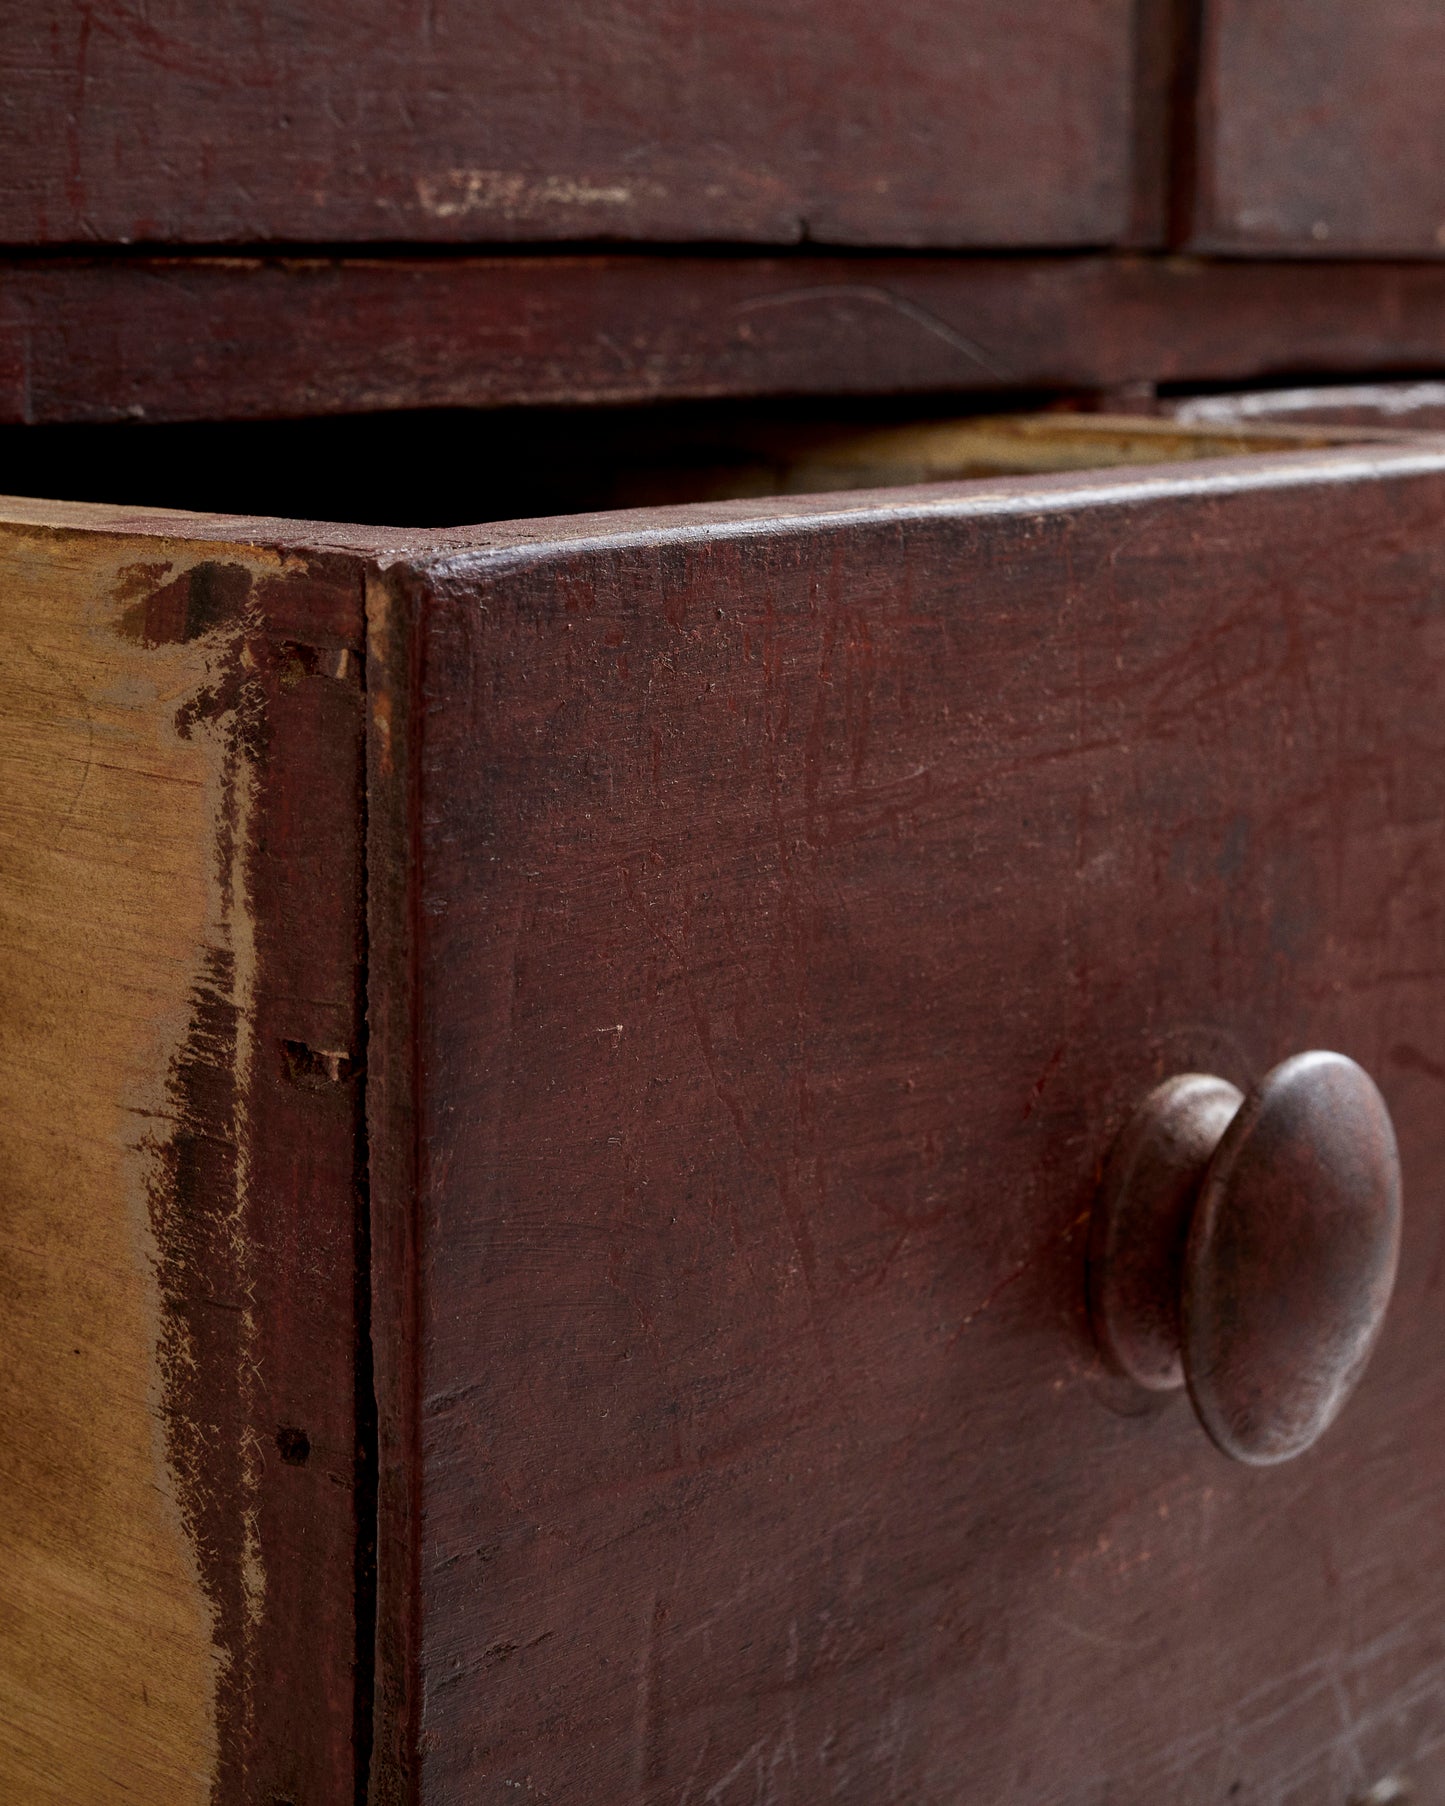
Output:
x=662 y=670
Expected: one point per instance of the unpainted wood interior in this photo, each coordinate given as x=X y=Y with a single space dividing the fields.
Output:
x=453 y=468
x=108 y=1663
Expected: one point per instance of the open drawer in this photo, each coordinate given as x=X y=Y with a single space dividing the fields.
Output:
x=555 y=1078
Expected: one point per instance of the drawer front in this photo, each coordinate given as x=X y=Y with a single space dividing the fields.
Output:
x=1320 y=128
x=800 y=908
x=942 y=122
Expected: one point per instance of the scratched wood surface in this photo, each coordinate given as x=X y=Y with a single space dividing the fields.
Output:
x=150 y=338
x=179 y=942
x=940 y=122
x=775 y=909
x=1319 y=128
x=780 y=908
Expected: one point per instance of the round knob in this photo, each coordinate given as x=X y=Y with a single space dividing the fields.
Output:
x=1246 y=1247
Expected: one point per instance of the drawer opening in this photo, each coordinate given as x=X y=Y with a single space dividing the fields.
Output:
x=456 y=468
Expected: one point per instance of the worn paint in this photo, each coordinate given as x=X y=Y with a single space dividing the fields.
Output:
x=199 y=1169
x=305 y=336
x=187 y=1533
x=763 y=1451
x=507 y=195
x=106 y=1685
x=733 y=122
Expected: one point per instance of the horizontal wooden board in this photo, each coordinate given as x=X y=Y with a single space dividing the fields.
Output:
x=1320 y=128
x=938 y=122
x=797 y=903
x=231 y=338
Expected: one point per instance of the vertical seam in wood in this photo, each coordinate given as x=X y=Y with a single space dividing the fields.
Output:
x=367 y=1452
x=1187 y=108
x=391 y=1089
x=1151 y=100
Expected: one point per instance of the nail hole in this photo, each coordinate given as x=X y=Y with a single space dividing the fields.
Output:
x=294 y=1444
x=298 y=661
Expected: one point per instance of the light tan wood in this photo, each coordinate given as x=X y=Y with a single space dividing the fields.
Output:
x=939 y=450
x=113 y=879
x=772 y=460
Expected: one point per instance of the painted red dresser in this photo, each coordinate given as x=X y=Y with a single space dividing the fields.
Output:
x=586 y=1207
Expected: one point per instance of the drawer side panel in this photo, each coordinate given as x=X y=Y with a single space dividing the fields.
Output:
x=180 y=801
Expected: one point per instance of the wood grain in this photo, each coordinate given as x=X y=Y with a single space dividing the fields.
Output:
x=945 y=122
x=108 y=1669
x=796 y=904
x=775 y=908
x=1320 y=131
x=819 y=459
x=180 y=1472
x=232 y=338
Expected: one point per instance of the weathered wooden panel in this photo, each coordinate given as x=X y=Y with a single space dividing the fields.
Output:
x=157 y=339
x=1320 y=128
x=181 y=1481
x=798 y=897
x=943 y=122
x=776 y=907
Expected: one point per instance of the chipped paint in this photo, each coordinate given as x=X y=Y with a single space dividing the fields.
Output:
x=511 y=194
x=111 y=1665
x=200 y=1174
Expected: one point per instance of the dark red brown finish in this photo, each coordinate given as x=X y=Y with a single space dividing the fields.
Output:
x=1291 y=1258
x=392 y=833
x=1320 y=129
x=233 y=338
x=790 y=909
x=1248 y=1246
x=1159 y=42
x=1139 y=1228
x=307 y=1735
x=943 y=122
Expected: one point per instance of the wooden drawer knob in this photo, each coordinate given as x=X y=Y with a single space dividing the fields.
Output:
x=1246 y=1247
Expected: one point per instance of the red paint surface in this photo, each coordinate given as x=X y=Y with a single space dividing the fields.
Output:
x=759 y=875
x=153 y=339
x=1320 y=130
x=945 y=122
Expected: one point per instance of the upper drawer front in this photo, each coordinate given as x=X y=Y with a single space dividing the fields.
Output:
x=804 y=907
x=1321 y=127
x=937 y=122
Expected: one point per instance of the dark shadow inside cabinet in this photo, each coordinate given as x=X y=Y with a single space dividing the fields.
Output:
x=454 y=468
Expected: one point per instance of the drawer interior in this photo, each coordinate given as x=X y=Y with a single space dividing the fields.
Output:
x=453 y=468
